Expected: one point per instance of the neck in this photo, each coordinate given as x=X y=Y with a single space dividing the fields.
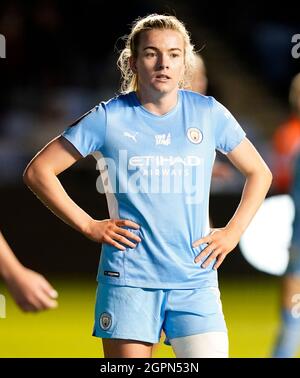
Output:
x=158 y=103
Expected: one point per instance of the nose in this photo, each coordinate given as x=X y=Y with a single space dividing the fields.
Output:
x=163 y=66
x=163 y=62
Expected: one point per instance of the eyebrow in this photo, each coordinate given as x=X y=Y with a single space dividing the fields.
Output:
x=155 y=48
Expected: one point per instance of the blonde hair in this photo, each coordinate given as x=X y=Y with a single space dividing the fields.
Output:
x=198 y=77
x=295 y=93
x=129 y=80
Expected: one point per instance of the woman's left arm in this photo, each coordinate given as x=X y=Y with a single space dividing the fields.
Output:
x=221 y=241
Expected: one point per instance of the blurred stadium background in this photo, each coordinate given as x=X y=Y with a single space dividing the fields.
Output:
x=60 y=62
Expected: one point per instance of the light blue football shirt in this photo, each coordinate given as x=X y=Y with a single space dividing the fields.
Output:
x=156 y=171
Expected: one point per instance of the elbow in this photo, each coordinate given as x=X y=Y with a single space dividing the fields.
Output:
x=36 y=173
x=30 y=174
x=27 y=175
x=263 y=174
x=269 y=176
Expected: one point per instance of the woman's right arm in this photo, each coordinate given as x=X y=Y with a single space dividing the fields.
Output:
x=41 y=177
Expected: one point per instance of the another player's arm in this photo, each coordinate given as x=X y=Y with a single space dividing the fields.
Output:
x=258 y=180
x=30 y=290
x=41 y=177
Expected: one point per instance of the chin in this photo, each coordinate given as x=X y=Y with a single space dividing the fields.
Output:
x=163 y=88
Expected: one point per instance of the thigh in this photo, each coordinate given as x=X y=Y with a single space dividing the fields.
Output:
x=117 y=348
x=193 y=312
x=203 y=345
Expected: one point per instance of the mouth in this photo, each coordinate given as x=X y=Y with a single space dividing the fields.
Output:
x=162 y=77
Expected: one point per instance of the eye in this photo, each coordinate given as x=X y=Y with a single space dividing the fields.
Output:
x=175 y=55
x=150 y=54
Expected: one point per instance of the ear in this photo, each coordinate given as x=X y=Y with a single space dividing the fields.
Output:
x=132 y=63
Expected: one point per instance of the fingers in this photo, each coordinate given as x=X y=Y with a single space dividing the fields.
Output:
x=128 y=234
x=213 y=254
x=208 y=239
x=127 y=223
x=206 y=251
x=219 y=243
x=27 y=307
x=107 y=239
x=45 y=302
x=117 y=234
x=37 y=302
x=123 y=240
x=112 y=237
x=220 y=259
x=53 y=294
x=205 y=240
x=41 y=295
x=48 y=289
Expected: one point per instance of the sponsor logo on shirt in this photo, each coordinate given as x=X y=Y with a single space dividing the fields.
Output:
x=153 y=174
x=159 y=160
x=164 y=139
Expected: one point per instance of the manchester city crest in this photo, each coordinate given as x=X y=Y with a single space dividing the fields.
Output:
x=194 y=135
x=105 y=321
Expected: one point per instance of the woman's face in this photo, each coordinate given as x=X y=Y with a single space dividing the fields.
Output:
x=160 y=61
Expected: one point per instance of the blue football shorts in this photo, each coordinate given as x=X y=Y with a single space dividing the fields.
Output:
x=133 y=313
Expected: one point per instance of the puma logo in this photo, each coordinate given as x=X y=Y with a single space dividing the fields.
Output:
x=131 y=136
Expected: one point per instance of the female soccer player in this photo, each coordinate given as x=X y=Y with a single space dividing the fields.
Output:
x=155 y=145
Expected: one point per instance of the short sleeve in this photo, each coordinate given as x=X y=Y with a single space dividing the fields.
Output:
x=87 y=134
x=227 y=131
